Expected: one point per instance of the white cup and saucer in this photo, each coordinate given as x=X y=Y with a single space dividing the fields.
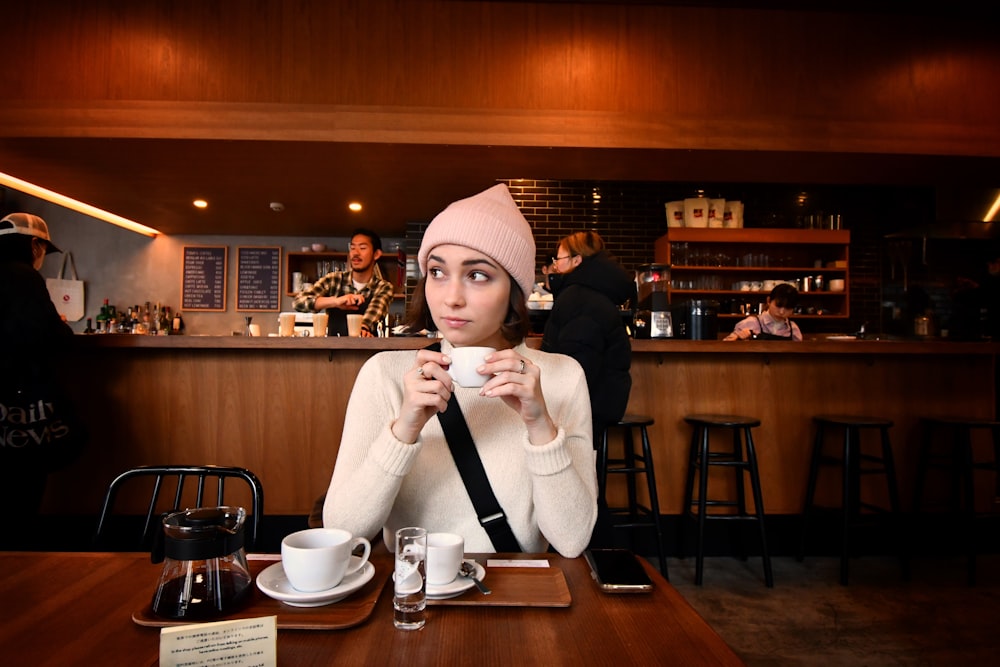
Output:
x=317 y=568
x=445 y=554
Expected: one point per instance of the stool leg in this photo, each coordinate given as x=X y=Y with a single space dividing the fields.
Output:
x=688 y=489
x=602 y=469
x=897 y=513
x=702 y=506
x=758 y=501
x=996 y=461
x=654 y=502
x=963 y=442
x=741 y=502
x=810 y=490
x=850 y=496
x=633 y=513
x=922 y=456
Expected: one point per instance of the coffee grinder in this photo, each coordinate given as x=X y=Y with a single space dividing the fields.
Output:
x=653 y=317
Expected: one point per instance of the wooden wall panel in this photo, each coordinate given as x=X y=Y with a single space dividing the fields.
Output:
x=708 y=71
x=280 y=413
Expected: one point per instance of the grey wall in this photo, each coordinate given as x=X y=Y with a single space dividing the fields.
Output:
x=128 y=268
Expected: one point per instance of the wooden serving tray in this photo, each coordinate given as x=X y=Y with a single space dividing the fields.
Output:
x=346 y=613
x=517 y=587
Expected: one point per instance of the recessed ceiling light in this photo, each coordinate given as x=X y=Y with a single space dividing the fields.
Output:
x=354 y=206
x=200 y=203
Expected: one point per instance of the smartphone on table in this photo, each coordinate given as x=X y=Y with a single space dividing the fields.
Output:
x=618 y=571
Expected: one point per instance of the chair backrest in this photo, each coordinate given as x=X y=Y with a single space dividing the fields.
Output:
x=175 y=476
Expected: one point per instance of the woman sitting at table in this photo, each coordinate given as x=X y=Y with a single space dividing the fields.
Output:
x=773 y=323
x=530 y=422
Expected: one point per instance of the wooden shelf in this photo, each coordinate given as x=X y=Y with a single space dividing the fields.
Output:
x=724 y=257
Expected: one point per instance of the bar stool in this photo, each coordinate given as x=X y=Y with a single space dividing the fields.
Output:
x=632 y=464
x=701 y=458
x=850 y=462
x=957 y=456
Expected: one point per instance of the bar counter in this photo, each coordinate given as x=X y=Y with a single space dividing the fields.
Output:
x=276 y=405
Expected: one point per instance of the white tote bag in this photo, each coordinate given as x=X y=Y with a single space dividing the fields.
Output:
x=67 y=294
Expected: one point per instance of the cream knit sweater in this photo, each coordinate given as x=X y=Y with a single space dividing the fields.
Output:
x=549 y=492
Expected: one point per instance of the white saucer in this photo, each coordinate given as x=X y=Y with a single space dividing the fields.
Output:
x=273 y=583
x=456 y=587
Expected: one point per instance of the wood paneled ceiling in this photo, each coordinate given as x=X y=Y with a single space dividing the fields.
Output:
x=153 y=181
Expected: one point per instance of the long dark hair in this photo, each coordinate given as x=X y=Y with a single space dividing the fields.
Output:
x=514 y=329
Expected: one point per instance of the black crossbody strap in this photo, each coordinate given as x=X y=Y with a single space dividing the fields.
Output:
x=477 y=484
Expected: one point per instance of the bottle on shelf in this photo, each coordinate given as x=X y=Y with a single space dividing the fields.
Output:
x=177 y=326
x=165 y=320
x=90 y=327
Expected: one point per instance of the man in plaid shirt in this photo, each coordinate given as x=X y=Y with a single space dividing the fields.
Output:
x=362 y=289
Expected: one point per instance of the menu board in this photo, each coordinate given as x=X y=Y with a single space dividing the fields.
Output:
x=203 y=282
x=258 y=281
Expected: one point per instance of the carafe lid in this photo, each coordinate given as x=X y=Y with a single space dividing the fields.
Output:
x=204 y=532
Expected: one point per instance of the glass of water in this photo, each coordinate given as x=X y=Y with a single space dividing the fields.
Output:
x=409 y=600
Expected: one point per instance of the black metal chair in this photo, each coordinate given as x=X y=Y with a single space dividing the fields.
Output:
x=178 y=475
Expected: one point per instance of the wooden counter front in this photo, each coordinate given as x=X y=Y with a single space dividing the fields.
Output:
x=276 y=406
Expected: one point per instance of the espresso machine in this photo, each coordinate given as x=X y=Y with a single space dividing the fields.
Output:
x=653 y=316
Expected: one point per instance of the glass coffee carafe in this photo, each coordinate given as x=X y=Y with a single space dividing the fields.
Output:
x=205 y=573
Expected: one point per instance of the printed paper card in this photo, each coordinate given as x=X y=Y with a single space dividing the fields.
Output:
x=248 y=642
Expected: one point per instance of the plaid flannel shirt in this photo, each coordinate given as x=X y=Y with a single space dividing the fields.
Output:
x=378 y=290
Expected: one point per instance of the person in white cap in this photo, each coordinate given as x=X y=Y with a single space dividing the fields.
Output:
x=530 y=421
x=32 y=336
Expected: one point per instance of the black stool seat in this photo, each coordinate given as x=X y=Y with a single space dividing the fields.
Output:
x=854 y=420
x=854 y=463
x=700 y=458
x=722 y=420
x=631 y=464
x=956 y=455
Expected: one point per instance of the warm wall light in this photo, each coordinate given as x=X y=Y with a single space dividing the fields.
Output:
x=354 y=206
x=73 y=204
x=200 y=203
x=992 y=213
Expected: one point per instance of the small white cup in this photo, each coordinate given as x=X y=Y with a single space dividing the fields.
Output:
x=320 y=322
x=255 y=330
x=444 y=556
x=465 y=361
x=286 y=324
x=354 y=325
x=318 y=559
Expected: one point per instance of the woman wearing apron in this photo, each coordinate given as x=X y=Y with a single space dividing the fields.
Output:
x=773 y=323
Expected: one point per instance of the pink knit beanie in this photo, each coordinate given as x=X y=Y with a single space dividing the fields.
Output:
x=491 y=223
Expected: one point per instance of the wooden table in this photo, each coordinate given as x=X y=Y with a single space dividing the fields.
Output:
x=76 y=609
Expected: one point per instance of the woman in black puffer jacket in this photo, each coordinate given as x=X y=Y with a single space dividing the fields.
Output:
x=585 y=323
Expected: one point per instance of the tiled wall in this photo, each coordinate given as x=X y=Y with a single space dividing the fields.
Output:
x=630 y=216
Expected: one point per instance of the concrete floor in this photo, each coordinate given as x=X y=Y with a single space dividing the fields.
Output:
x=808 y=618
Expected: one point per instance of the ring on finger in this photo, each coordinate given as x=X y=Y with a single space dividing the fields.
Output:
x=521 y=369
x=420 y=371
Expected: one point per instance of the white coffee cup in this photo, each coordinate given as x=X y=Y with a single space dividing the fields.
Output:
x=320 y=323
x=465 y=361
x=318 y=559
x=354 y=325
x=286 y=324
x=254 y=330
x=444 y=556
